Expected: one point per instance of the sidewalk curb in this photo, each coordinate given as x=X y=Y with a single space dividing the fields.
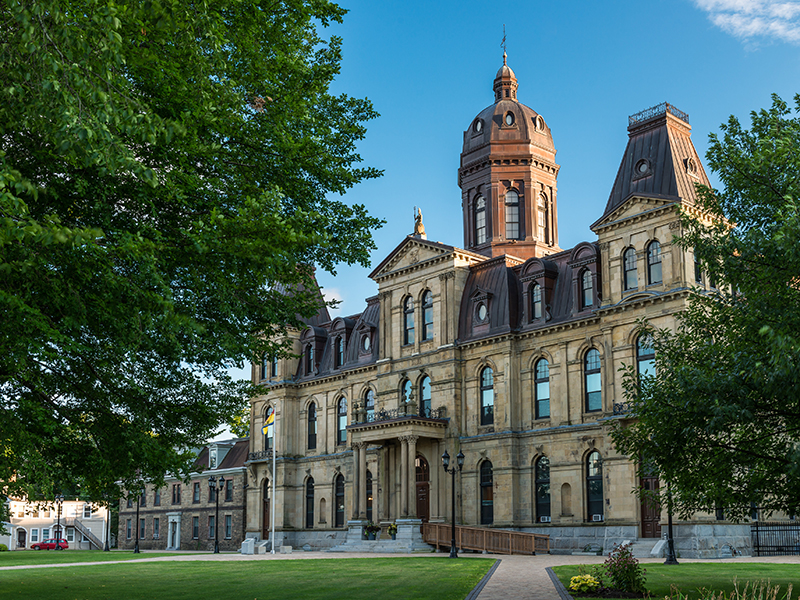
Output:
x=473 y=595
x=562 y=591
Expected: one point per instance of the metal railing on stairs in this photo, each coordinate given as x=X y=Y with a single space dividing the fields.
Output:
x=497 y=541
x=87 y=533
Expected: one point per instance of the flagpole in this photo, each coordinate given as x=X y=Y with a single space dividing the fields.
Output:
x=274 y=487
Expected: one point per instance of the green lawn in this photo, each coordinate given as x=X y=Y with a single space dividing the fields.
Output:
x=48 y=557
x=349 y=578
x=689 y=577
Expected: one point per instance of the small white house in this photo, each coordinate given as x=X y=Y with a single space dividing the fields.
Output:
x=83 y=524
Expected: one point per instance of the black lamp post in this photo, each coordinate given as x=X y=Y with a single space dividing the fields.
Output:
x=108 y=523
x=216 y=490
x=138 y=503
x=446 y=464
x=671 y=558
x=59 y=502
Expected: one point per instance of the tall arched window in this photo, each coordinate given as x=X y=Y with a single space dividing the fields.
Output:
x=405 y=392
x=369 y=403
x=310 y=503
x=338 y=492
x=480 y=220
x=273 y=366
x=541 y=220
x=341 y=421
x=427 y=316
x=487 y=493
x=269 y=423
x=541 y=383
x=312 y=426
x=629 y=267
x=592 y=379
x=542 y=483
x=487 y=396
x=653 y=263
x=338 y=352
x=512 y=215
x=645 y=356
x=594 y=486
x=264 y=363
x=536 y=301
x=587 y=289
x=408 y=321
x=369 y=495
x=425 y=397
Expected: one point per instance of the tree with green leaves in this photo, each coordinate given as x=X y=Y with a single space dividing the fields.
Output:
x=720 y=419
x=168 y=172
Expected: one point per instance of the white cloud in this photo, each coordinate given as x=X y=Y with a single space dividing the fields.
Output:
x=755 y=19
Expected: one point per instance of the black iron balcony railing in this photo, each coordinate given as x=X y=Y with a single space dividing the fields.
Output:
x=400 y=413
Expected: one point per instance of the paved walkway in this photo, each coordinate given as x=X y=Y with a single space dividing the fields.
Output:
x=516 y=577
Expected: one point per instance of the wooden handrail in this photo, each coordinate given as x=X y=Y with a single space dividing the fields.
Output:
x=497 y=541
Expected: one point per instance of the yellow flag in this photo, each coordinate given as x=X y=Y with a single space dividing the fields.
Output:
x=270 y=420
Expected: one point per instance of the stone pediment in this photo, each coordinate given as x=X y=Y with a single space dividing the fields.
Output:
x=632 y=207
x=410 y=252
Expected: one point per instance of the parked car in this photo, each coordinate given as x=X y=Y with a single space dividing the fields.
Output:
x=50 y=545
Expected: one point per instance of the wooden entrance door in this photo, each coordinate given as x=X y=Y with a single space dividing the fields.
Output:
x=651 y=511
x=423 y=489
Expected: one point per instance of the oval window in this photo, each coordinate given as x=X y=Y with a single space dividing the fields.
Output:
x=365 y=343
x=509 y=118
x=478 y=126
x=482 y=312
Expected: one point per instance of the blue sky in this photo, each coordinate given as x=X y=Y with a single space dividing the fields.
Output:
x=428 y=68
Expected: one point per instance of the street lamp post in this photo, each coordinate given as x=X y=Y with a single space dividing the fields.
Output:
x=671 y=558
x=138 y=503
x=216 y=490
x=446 y=464
x=59 y=502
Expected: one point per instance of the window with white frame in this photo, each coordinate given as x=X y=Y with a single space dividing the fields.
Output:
x=34 y=535
x=87 y=511
x=70 y=534
x=45 y=533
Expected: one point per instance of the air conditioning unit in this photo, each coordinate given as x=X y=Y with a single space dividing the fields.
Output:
x=544 y=519
x=597 y=517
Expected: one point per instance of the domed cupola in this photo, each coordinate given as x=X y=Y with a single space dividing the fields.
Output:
x=508 y=177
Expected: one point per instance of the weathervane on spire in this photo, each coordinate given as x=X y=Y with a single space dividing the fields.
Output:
x=503 y=43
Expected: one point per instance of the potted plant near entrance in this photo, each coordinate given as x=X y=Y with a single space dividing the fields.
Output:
x=392 y=529
x=371 y=530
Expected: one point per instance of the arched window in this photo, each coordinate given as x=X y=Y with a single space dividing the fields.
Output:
x=512 y=215
x=312 y=426
x=541 y=220
x=408 y=321
x=629 y=267
x=341 y=421
x=594 y=486
x=425 y=397
x=487 y=396
x=427 y=316
x=480 y=220
x=653 y=263
x=487 y=493
x=264 y=363
x=587 y=289
x=541 y=383
x=405 y=392
x=645 y=356
x=310 y=503
x=309 y=359
x=269 y=424
x=273 y=366
x=536 y=301
x=542 y=483
x=338 y=355
x=369 y=404
x=338 y=487
x=369 y=495
x=592 y=379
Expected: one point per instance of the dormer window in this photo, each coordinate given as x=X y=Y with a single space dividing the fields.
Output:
x=309 y=359
x=338 y=352
x=536 y=301
x=587 y=289
x=482 y=313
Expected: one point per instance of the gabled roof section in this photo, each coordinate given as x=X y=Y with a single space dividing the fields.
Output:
x=660 y=160
x=412 y=251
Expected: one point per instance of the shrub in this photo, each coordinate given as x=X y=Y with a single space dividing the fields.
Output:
x=624 y=571
x=583 y=583
x=3 y=548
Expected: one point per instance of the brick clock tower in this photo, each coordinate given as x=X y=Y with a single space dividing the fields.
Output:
x=508 y=178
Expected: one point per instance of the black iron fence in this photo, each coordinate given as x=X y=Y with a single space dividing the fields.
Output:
x=775 y=539
x=400 y=413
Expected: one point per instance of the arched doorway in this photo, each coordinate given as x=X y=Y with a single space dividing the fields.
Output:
x=22 y=538
x=265 y=520
x=423 y=489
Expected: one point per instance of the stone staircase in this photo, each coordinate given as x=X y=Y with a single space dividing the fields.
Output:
x=408 y=539
x=648 y=548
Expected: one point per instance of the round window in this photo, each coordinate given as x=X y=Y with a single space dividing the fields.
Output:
x=509 y=118
x=540 y=123
x=478 y=126
x=482 y=313
x=365 y=343
x=642 y=167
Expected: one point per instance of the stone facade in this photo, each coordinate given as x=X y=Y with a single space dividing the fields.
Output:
x=507 y=350
x=177 y=516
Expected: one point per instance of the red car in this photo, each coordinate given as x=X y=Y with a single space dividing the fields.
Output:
x=50 y=545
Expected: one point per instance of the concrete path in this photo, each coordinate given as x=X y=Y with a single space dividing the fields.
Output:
x=516 y=577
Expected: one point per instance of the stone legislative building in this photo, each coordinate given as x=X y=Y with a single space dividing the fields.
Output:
x=507 y=350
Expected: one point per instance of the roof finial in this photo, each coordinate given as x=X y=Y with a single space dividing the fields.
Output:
x=503 y=44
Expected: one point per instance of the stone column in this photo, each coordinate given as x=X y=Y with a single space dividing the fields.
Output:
x=404 y=476
x=356 y=479
x=412 y=477
x=362 y=480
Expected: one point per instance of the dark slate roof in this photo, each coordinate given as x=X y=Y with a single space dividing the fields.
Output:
x=662 y=137
x=496 y=280
x=235 y=457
